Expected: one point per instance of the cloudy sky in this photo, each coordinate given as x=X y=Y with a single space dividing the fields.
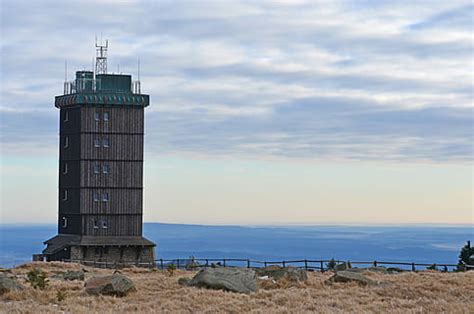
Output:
x=263 y=112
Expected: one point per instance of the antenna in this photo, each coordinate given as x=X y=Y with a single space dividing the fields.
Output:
x=65 y=70
x=101 y=56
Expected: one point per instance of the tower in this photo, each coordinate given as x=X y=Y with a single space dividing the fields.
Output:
x=101 y=169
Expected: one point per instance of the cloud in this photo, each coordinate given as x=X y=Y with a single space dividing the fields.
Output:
x=364 y=80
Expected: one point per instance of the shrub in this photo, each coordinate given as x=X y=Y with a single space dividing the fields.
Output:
x=61 y=295
x=432 y=267
x=170 y=269
x=466 y=252
x=38 y=279
x=332 y=263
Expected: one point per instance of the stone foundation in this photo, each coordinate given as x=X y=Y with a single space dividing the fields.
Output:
x=131 y=255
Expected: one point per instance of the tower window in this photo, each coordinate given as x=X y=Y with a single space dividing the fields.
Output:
x=97 y=116
x=66 y=142
x=106 y=116
x=96 y=197
x=64 y=222
x=105 y=197
x=106 y=142
x=64 y=195
x=105 y=169
x=96 y=168
x=96 y=142
x=96 y=225
x=65 y=168
x=104 y=224
x=66 y=116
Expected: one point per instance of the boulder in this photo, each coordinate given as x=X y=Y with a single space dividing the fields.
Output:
x=73 y=275
x=377 y=269
x=276 y=273
x=8 y=284
x=183 y=281
x=118 y=285
x=347 y=276
x=342 y=266
x=241 y=280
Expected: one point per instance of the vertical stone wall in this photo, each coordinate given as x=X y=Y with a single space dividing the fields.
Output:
x=113 y=254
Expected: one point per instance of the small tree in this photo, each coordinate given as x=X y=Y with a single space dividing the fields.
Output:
x=332 y=263
x=464 y=255
x=38 y=279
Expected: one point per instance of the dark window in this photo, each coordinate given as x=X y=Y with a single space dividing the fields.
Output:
x=64 y=222
x=97 y=116
x=96 y=142
x=96 y=168
x=96 y=197
x=106 y=169
x=65 y=168
x=104 y=224
x=105 y=197
x=96 y=225
x=106 y=116
x=66 y=142
x=66 y=116
x=106 y=142
x=64 y=195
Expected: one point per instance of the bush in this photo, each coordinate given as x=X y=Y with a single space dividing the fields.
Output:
x=61 y=295
x=170 y=269
x=466 y=252
x=432 y=267
x=332 y=263
x=38 y=279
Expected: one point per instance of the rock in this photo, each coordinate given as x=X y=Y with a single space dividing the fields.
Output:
x=342 y=266
x=183 y=281
x=8 y=284
x=276 y=273
x=394 y=270
x=347 y=276
x=73 y=275
x=241 y=280
x=377 y=269
x=116 y=284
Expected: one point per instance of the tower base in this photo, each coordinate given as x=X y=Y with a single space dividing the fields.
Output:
x=101 y=251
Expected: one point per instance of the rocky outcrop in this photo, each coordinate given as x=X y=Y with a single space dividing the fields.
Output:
x=8 y=284
x=183 y=281
x=276 y=273
x=348 y=276
x=342 y=266
x=74 y=275
x=241 y=280
x=118 y=285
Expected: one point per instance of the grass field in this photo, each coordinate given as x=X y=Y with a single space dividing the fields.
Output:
x=421 y=292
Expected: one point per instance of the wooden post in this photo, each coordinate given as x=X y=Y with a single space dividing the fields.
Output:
x=161 y=263
x=207 y=262
x=177 y=263
x=248 y=263
x=413 y=267
x=375 y=263
x=265 y=264
x=322 y=267
x=305 y=264
x=283 y=263
x=223 y=262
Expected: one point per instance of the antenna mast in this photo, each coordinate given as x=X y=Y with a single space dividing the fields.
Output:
x=101 y=56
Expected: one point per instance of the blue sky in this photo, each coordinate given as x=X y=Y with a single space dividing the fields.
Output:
x=298 y=88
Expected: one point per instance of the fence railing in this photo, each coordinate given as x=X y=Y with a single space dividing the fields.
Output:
x=310 y=265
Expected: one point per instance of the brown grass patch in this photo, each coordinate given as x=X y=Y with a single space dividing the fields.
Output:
x=425 y=291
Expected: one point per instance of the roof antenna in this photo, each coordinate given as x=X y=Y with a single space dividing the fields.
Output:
x=65 y=78
x=101 y=56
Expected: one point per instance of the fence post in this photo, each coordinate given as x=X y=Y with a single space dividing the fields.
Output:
x=265 y=264
x=413 y=267
x=161 y=263
x=248 y=263
x=283 y=263
x=207 y=262
x=177 y=263
x=223 y=262
x=375 y=263
x=322 y=266
x=305 y=264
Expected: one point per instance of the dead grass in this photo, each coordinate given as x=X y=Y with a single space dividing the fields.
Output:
x=427 y=292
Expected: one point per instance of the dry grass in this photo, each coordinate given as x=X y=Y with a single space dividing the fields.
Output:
x=427 y=292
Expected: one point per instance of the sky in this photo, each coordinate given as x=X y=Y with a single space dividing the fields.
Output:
x=262 y=112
